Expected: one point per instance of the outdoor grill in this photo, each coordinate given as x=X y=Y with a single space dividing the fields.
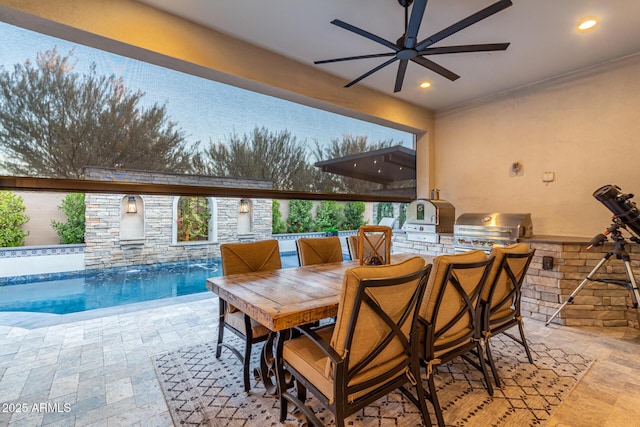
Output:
x=426 y=219
x=486 y=230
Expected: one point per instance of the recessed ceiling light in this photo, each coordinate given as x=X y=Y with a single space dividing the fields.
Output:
x=588 y=23
x=425 y=85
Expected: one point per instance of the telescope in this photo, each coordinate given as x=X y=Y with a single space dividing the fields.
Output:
x=624 y=210
x=626 y=216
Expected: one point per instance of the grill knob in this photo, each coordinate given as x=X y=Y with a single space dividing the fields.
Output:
x=490 y=243
x=461 y=241
x=475 y=242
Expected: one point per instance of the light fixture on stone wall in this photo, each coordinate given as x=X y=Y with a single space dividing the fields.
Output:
x=132 y=206
x=244 y=206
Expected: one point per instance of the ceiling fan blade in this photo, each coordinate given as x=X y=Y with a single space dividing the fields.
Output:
x=464 y=48
x=417 y=12
x=349 y=58
x=365 y=34
x=436 y=68
x=461 y=25
x=368 y=73
x=402 y=69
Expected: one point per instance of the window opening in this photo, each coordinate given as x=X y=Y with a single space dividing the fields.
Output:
x=193 y=219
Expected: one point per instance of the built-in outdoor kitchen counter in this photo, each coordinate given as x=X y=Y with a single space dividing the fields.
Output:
x=568 y=263
x=560 y=264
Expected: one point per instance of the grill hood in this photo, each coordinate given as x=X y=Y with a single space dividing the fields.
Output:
x=485 y=230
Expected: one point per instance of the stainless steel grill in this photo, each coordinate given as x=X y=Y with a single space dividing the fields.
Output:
x=426 y=219
x=486 y=230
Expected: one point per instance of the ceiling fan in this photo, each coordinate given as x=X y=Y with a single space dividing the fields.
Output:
x=408 y=48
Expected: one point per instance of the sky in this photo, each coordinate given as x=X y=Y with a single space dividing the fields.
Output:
x=203 y=109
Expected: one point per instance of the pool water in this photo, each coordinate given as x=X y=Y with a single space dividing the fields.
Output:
x=111 y=289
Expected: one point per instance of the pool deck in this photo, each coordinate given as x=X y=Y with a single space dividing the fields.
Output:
x=99 y=363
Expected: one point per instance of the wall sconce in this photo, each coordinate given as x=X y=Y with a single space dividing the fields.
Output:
x=244 y=206
x=132 y=206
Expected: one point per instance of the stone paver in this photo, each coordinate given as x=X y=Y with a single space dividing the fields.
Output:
x=97 y=371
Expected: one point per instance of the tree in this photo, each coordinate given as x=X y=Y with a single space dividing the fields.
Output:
x=54 y=121
x=278 y=226
x=194 y=216
x=12 y=218
x=329 y=215
x=72 y=231
x=275 y=156
x=300 y=219
x=347 y=146
x=354 y=215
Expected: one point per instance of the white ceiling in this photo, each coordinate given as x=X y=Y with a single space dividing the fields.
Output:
x=543 y=36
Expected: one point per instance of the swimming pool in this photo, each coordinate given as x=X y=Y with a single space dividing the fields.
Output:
x=112 y=288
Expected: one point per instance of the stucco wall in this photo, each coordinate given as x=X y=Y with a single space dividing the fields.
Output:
x=584 y=127
x=42 y=208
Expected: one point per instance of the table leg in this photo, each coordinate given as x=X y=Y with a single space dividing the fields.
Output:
x=266 y=371
x=270 y=369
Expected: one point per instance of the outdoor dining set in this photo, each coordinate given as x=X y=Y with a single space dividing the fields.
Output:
x=352 y=331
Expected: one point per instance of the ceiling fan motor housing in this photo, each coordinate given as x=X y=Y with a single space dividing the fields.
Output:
x=409 y=48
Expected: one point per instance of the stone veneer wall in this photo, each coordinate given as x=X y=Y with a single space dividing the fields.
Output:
x=596 y=304
x=104 y=248
x=444 y=247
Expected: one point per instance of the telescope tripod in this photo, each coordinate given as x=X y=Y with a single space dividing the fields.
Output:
x=620 y=252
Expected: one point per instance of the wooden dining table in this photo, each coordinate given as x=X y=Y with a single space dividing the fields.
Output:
x=284 y=298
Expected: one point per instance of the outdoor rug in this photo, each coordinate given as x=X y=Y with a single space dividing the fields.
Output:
x=201 y=390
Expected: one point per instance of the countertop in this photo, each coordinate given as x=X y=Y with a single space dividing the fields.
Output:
x=557 y=239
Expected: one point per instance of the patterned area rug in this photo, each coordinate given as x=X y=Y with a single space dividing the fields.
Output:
x=201 y=390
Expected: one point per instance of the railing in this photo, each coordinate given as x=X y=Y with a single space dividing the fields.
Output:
x=287 y=242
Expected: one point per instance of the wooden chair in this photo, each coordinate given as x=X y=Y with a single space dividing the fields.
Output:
x=319 y=251
x=369 y=352
x=450 y=316
x=502 y=296
x=374 y=245
x=352 y=246
x=244 y=258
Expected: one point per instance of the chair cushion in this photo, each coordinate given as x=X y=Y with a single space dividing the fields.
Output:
x=235 y=319
x=452 y=306
x=498 y=253
x=370 y=330
x=262 y=255
x=352 y=245
x=502 y=316
x=306 y=357
x=438 y=274
x=319 y=251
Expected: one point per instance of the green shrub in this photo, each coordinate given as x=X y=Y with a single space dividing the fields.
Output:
x=278 y=226
x=72 y=231
x=329 y=216
x=353 y=215
x=300 y=219
x=403 y=214
x=12 y=218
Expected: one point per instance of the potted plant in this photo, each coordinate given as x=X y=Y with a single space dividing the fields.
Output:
x=330 y=231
